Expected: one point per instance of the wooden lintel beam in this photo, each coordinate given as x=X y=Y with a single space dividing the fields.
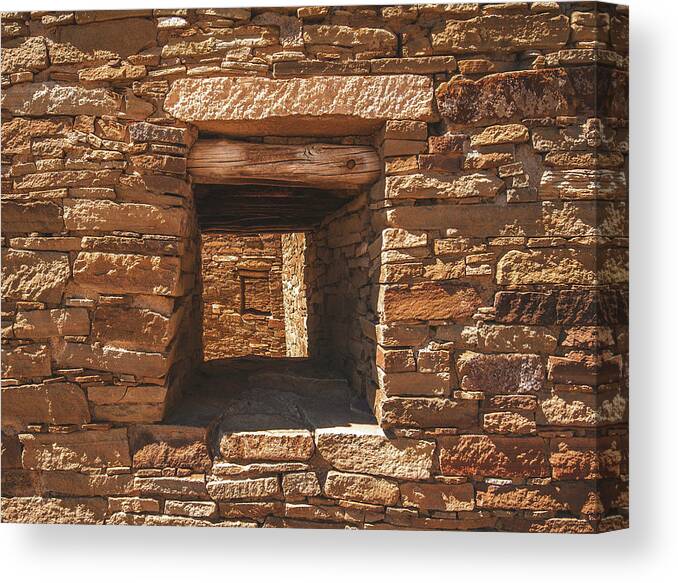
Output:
x=323 y=166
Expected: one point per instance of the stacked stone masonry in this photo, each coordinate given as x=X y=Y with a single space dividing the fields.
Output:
x=475 y=295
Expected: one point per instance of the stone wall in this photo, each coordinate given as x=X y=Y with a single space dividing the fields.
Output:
x=294 y=293
x=478 y=292
x=242 y=294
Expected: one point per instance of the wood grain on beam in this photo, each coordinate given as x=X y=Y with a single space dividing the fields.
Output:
x=324 y=166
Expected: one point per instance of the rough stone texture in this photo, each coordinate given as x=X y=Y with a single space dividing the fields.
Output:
x=34 y=276
x=462 y=321
x=371 y=452
x=126 y=273
x=249 y=104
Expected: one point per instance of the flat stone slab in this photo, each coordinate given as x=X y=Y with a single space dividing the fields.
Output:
x=329 y=105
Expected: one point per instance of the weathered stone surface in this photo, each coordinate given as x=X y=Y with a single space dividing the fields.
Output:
x=250 y=489
x=506 y=97
x=417 y=412
x=525 y=307
x=127 y=273
x=481 y=185
x=190 y=487
x=41 y=324
x=169 y=446
x=509 y=422
x=110 y=358
x=248 y=105
x=49 y=180
x=584 y=410
x=298 y=485
x=498 y=338
x=547 y=267
x=133 y=329
x=584 y=458
x=106 y=215
x=361 y=488
x=272 y=445
x=367 y=450
x=583 y=184
x=428 y=301
x=51 y=98
x=501 y=33
x=500 y=373
x=361 y=39
x=148 y=132
x=18 y=132
x=414 y=384
x=512 y=498
x=502 y=457
x=26 y=361
x=133 y=504
x=580 y=368
x=30 y=55
x=70 y=483
x=72 y=451
x=29 y=217
x=56 y=403
x=38 y=510
x=444 y=497
x=34 y=276
x=95 y=37
x=193 y=509
x=501 y=134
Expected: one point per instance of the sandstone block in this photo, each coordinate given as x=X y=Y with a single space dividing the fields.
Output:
x=41 y=324
x=583 y=184
x=64 y=178
x=501 y=457
x=500 y=373
x=106 y=215
x=51 y=98
x=584 y=410
x=525 y=307
x=482 y=185
x=501 y=33
x=29 y=217
x=395 y=360
x=244 y=104
x=584 y=369
x=26 y=361
x=169 y=446
x=496 y=338
x=367 y=450
x=428 y=301
x=526 y=498
x=375 y=40
x=253 y=489
x=361 y=488
x=72 y=451
x=18 y=132
x=133 y=504
x=34 y=276
x=112 y=359
x=443 y=497
x=271 y=445
x=69 y=483
x=298 y=485
x=414 y=384
x=30 y=55
x=524 y=94
x=190 y=487
x=434 y=412
x=133 y=329
x=191 y=508
x=55 y=403
x=36 y=510
x=509 y=422
x=583 y=458
x=147 y=132
x=501 y=134
x=567 y=266
x=401 y=239
x=127 y=273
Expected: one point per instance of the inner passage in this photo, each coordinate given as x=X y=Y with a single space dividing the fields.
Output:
x=254 y=295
